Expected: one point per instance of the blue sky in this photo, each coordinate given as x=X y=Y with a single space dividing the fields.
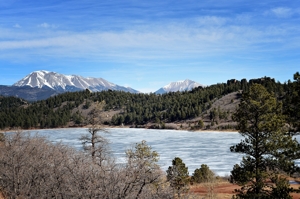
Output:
x=148 y=44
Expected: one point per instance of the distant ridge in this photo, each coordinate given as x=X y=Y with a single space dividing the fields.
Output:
x=28 y=93
x=184 y=85
x=65 y=83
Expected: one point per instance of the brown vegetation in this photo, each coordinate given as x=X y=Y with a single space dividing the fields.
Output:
x=225 y=190
x=222 y=189
x=32 y=167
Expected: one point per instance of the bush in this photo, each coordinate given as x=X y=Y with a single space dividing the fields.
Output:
x=203 y=174
x=201 y=124
x=2 y=137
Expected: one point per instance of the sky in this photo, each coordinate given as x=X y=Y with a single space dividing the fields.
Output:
x=146 y=45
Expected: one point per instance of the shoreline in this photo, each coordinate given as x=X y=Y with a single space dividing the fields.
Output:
x=122 y=127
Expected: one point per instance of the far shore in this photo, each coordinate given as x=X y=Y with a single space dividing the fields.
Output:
x=121 y=127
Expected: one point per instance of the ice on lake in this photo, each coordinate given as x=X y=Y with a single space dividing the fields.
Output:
x=194 y=148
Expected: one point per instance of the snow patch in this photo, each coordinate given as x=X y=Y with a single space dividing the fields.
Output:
x=182 y=85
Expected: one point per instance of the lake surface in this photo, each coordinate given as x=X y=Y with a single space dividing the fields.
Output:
x=194 y=148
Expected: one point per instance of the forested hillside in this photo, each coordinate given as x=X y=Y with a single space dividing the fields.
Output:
x=123 y=108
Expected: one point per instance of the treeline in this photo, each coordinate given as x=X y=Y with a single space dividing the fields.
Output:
x=135 y=109
x=53 y=112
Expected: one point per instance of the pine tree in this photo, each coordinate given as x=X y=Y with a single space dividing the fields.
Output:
x=203 y=174
x=178 y=176
x=269 y=149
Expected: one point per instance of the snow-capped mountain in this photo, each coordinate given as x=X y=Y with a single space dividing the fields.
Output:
x=63 y=83
x=185 y=85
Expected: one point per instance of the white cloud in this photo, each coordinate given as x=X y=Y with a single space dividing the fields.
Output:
x=282 y=12
x=46 y=25
x=161 y=41
x=17 y=26
x=212 y=21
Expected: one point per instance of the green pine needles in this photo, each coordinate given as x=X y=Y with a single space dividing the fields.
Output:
x=269 y=148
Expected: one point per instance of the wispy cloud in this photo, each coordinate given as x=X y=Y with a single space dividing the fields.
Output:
x=280 y=12
x=212 y=21
x=46 y=25
x=210 y=36
x=17 y=26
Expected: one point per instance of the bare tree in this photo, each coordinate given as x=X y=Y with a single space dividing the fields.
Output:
x=93 y=143
x=142 y=175
x=31 y=167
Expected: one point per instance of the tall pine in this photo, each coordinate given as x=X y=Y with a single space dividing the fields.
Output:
x=268 y=147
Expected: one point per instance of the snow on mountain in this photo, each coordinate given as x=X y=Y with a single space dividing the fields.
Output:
x=62 y=82
x=185 y=85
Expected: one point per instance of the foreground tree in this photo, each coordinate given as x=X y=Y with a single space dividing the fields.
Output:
x=203 y=174
x=93 y=142
x=268 y=147
x=207 y=177
x=141 y=173
x=178 y=176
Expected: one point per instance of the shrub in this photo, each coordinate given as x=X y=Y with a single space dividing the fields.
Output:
x=33 y=167
x=2 y=137
x=203 y=174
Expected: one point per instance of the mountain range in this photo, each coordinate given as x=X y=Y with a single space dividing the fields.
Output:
x=42 y=84
x=67 y=83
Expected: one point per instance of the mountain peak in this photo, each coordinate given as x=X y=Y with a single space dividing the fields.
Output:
x=182 y=85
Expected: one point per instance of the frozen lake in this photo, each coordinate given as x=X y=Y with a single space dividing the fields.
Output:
x=194 y=148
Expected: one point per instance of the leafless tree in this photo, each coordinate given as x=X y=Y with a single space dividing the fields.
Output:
x=33 y=167
x=141 y=171
x=93 y=142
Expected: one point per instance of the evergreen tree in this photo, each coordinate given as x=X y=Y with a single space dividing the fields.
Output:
x=203 y=174
x=201 y=124
x=268 y=147
x=178 y=176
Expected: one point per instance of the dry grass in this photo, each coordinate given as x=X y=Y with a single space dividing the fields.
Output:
x=224 y=189
x=1 y=196
x=221 y=189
